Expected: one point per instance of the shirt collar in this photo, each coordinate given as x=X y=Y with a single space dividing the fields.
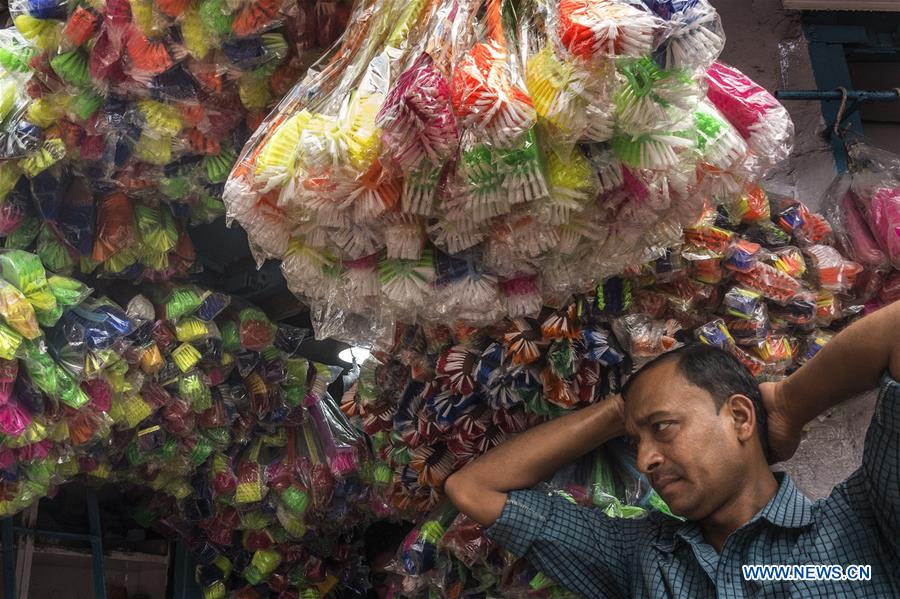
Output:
x=789 y=508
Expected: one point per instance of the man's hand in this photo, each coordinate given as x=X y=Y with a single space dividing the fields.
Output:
x=784 y=435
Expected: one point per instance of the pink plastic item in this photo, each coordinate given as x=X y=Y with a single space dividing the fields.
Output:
x=864 y=245
x=14 y=419
x=884 y=218
x=753 y=111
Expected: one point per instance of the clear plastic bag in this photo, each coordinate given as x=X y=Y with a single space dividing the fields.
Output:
x=753 y=111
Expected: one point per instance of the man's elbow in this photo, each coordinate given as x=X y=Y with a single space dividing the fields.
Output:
x=455 y=487
x=482 y=505
x=464 y=494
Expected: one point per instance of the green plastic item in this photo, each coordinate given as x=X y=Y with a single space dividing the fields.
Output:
x=52 y=252
x=24 y=270
x=296 y=500
x=182 y=301
x=68 y=291
x=216 y=16
x=86 y=104
x=193 y=389
x=72 y=67
x=24 y=235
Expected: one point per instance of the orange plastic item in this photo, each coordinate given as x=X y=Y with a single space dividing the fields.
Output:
x=757 y=204
x=81 y=26
x=115 y=226
x=146 y=55
x=202 y=144
x=172 y=8
x=254 y=17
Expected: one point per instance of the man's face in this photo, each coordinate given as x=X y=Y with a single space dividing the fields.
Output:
x=690 y=452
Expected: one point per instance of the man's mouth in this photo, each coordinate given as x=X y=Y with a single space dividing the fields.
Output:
x=664 y=483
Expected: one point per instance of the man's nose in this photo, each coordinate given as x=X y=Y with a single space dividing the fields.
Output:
x=648 y=457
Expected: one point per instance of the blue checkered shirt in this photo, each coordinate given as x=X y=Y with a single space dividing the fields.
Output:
x=594 y=555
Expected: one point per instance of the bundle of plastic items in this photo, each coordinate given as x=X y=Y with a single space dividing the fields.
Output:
x=864 y=207
x=56 y=343
x=440 y=398
x=202 y=400
x=249 y=459
x=148 y=102
x=474 y=160
x=448 y=555
x=758 y=277
x=761 y=281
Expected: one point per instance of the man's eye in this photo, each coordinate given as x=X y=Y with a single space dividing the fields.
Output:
x=660 y=427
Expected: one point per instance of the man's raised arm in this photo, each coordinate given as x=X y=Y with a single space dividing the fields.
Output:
x=851 y=363
x=479 y=490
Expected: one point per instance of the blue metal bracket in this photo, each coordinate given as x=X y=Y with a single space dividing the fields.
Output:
x=94 y=537
x=852 y=100
x=186 y=586
x=832 y=37
x=96 y=540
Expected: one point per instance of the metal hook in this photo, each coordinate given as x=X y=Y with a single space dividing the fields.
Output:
x=840 y=113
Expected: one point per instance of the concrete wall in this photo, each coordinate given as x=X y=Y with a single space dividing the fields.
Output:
x=766 y=42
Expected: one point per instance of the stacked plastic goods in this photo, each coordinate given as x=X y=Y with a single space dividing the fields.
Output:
x=140 y=109
x=449 y=555
x=864 y=207
x=56 y=343
x=474 y=160
x=760 y=281
x=197 y=398
x=249 y=459
x=759 y=278
x=440 y=398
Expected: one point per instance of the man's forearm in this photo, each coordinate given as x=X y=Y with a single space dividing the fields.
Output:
x=480 y=488
x=848 y=365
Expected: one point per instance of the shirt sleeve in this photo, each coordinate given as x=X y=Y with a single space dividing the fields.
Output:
x=582 y=549
x=881 y=461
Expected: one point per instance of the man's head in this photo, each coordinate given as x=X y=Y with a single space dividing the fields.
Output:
x=697 y=418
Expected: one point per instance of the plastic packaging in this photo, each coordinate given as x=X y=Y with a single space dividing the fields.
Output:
x=469 y=156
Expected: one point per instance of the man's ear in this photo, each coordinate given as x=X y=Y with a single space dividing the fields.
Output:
x=743 y=416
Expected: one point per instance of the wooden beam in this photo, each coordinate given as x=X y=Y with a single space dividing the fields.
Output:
x=871 y=5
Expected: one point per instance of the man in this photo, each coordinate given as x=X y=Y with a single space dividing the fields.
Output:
x=703 y=429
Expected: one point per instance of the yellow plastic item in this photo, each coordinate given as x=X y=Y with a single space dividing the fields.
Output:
x=186 y=356
x=43 y=33
x=280 y=152
x=9 y=176
x=160 y=118
x=196 y=38
x=103 y=471
x=135 y=410
x=191 y=329
x=152 y=360
x=46 y=111
x=254 y=91
x=154 y=149
x=17 y=311
x=51 y=151
x=147 y=17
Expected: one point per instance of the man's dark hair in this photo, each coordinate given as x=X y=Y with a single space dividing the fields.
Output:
x=717 y=372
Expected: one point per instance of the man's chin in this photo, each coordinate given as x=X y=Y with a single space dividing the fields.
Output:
x=679 y=504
